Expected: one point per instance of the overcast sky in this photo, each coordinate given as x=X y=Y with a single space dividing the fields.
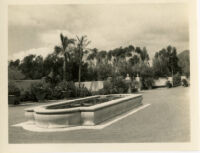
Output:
x=36 y=28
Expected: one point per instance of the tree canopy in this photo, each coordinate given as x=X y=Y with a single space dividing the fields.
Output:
x=73 y=61
x=165 y=62
x=184 y=62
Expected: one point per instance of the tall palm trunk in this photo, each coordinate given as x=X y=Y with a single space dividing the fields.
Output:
x=79 y=75
x=64 y=69
x=172 y=76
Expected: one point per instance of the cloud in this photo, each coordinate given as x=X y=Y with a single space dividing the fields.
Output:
x=35 y=51
x=52 y=37
x=107 y=25
x=21 y=16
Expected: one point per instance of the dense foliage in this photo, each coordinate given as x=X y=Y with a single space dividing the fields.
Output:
x=184 y=62
x=45 y=91
x=165 y=62
x=72 y=61
x=115 y=86
x=13 y=89
x=15 y=74
x=185 y=83
x=99 y=65
x=177 y=79
x=94 y=65
x=168 y=84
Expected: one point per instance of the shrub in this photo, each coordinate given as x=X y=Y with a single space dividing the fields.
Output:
x=114 y=86
x=57 y=93
x=120 y=85
x=68 y=89
x=13 y=89
x=134 y=86
x=27 y=96
x=64 y=90
x=48 y=89
x=107 y=88
x=40 y=90
x=71 y=89
x=168 y=84
x=147 y=83
x=176 y=80
x=83 y=91
x=185 y=83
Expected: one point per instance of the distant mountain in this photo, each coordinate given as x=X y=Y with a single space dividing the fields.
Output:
x=184 y=62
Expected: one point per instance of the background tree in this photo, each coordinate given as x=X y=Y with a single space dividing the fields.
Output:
x=32 y=67
x=92 y=57
x=165 y=62
x=173 y=60
x=53 y=64
x=14 y=72
x=92 y=64
x=14 y=64
x=80 y=51
x=160 y=64
x=184 y=62
x=64 y=51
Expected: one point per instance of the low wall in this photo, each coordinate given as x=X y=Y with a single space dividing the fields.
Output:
x=25 y=85
x=161 y=82
x=87 y=116
x=92 y=85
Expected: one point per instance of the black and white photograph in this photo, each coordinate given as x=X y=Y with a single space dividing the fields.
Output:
x=100 y=73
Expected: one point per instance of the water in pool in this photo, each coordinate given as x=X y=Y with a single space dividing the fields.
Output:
x=85 y=103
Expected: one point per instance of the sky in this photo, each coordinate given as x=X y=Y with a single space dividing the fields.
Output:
x=35 y=29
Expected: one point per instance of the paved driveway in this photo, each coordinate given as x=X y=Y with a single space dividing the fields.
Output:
x=165 y=120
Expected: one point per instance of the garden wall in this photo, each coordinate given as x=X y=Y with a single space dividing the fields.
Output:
x=92 y=85
x=161 y=82
x=25 y=85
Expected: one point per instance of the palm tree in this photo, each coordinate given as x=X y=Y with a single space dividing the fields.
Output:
x=64 y=51
x=81 y=50
x=92 y=57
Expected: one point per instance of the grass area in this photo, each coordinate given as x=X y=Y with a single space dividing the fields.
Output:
x=165 y=120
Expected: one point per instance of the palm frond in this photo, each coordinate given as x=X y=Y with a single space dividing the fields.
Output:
x=78 y=38
x=58 y=50
x=62 y=38
x=71 y=41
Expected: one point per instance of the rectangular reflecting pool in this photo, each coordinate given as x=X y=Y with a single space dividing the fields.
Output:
x=86 y=111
